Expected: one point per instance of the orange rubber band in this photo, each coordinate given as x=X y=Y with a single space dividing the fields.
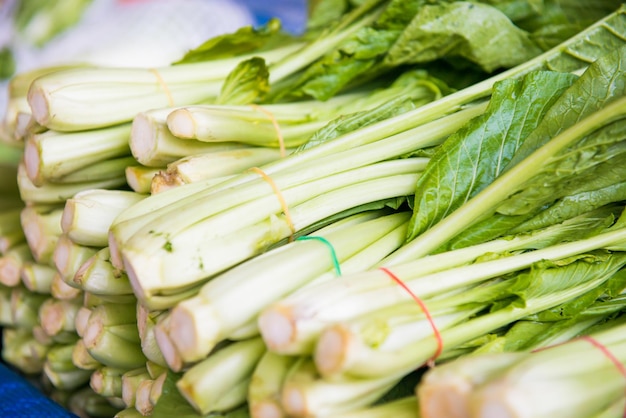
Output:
x=279 y=195
x=163 y=86
x=422 y=305
x=279 y=134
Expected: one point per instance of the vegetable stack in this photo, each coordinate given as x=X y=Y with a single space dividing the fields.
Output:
x=295 y=226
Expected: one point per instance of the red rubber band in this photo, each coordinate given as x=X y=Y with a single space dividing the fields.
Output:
x=422 y=305
x=279 y=196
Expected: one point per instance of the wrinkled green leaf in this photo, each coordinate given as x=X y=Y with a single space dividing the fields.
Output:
x=472 y=158
x=247 y=83
x=474 y=31
x=247 y=39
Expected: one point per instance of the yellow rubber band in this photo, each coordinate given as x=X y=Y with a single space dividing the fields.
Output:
x=281 y=198
x=163 y=86
x=279 y=134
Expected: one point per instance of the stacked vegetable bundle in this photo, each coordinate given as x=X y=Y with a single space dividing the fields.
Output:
x=264 y=234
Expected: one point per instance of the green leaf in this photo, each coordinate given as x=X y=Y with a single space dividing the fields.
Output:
x=472 y=158
x=247 y=39
x=474 y=31
x=247 y=83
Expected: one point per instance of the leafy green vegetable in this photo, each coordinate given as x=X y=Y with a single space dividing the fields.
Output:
x=248 y=39
x=474 y=31
x=247 y=83
x=473 y=157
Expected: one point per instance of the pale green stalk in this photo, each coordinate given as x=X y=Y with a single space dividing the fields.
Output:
x=294 y=170
x=82 y=359
x=69 y=257
x=42 y=228
x=286 y=330
x=146 y=323
x=59 y=289
x=219 y=164
x=25 y=307
x=86 y=403
x=220 y=382
x=153 y=145
x=98 y=276
x=58 y=193
x=12 y=262
x=305 y=394
x=106 y=346
x=89 y=98
x=10 y=229
x=51 y=155
x=139 y=178
x=401 y=408
x=23 y=351
x=113 y=168
x=266 y=385
x=107 y=381
x=88 y=215
x=37 y=277
x=142 y=397
x=5 y=306
x=81 y=319
x=130 y=382
x=253 y=126
x=57 y=316
x=66 y=379
x=222 y=306
x=539 y=382
x=225 y=251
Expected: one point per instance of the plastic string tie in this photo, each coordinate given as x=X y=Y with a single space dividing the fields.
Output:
x=422 y=305
x=333 y=254
x=163 y=86
x=279 y=133
x=279 y=195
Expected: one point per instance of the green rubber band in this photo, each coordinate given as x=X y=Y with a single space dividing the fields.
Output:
x=333 y=254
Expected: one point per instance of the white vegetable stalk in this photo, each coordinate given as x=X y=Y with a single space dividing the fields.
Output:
x=316 y=163
x=266 y=385
x=96 y=275
x=139 y=178
x=401 y=408
x=142 y=397
x=153 y=145
x=88 y=215
x=224 y=251
x=58 y=193
x=59 y=289
x=146 y=323
x=42 y=228
x=81 y=319
x=61 y=371
x=12 y=262
x=304 y=394
x=130 y=382
x=166 y=346
x=589 y=386
x=358 y=349
x=250 y=125
x=114 y=168
x=69 y=257
x=6 y=319
x=52 y=155
x=215 y=165
x=25 y=307
x=89 y=98
x=107 y=381
x=22 y=350
x=82 y=359
x=58 y=316
x=221 y=382
x=37 y=277
x=11 y=232
x=201 y=322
